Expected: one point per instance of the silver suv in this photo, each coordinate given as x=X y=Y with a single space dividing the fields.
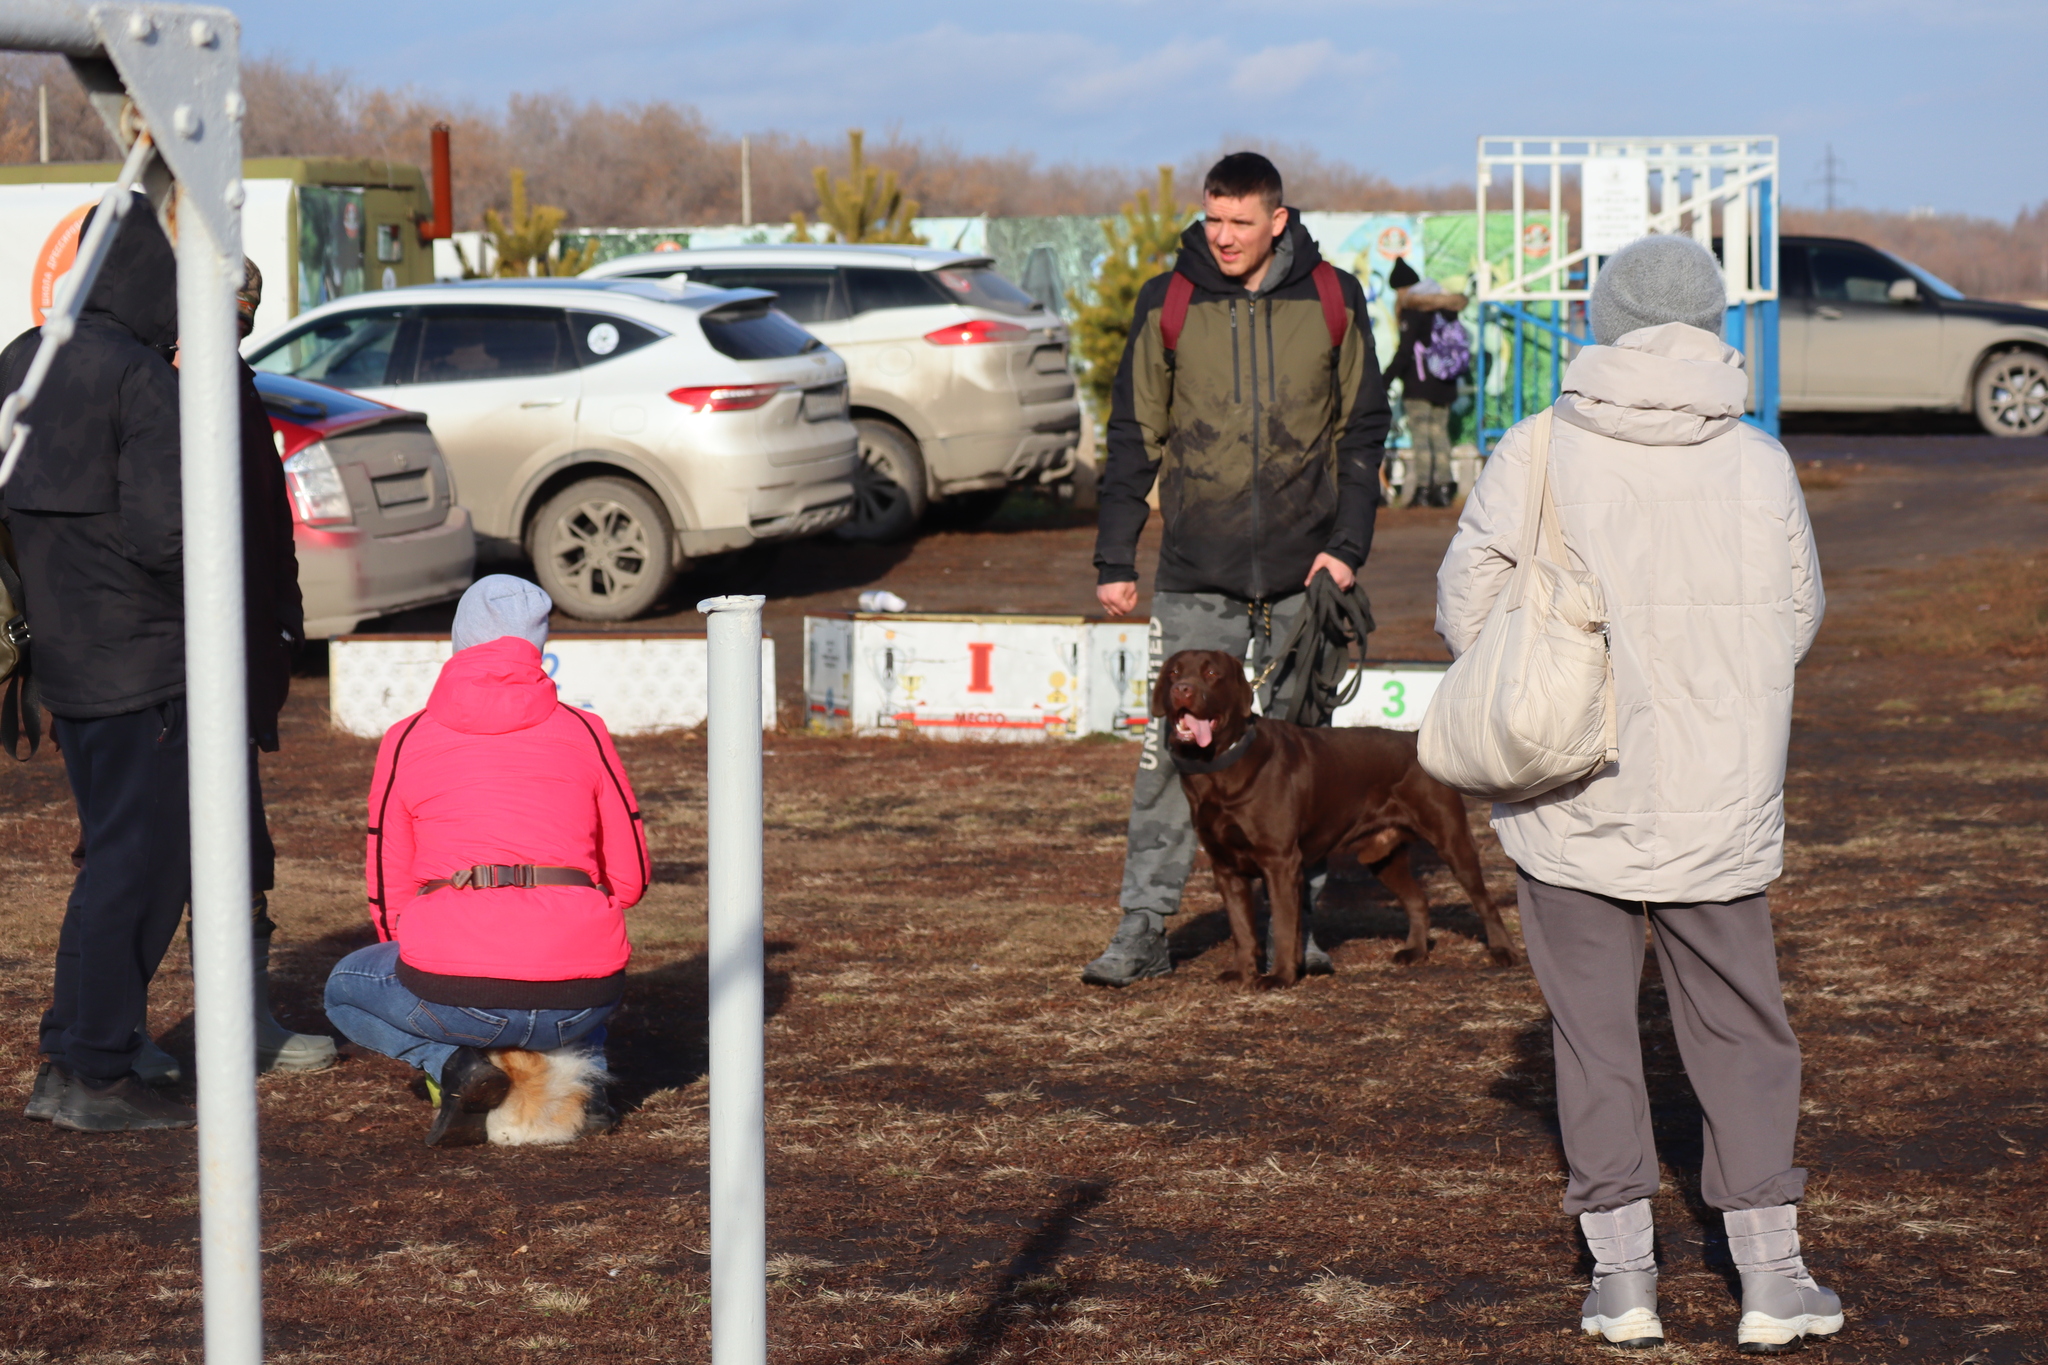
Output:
x=611 y=430
x=960 y=385
x=1862 y=330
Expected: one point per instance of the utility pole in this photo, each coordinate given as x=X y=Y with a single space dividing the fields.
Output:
x=1831 y=175
x=746 y=182
x=43 y=121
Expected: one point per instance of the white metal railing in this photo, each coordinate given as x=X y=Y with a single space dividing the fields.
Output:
x=1723 y=187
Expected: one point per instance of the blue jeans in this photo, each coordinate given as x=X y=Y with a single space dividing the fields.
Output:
x=368 y=1002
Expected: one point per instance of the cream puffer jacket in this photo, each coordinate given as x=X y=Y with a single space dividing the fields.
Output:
x=1696 y=527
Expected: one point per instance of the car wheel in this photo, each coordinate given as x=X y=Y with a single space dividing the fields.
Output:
x=2012 y=394
x=888 y=486
x=1397 y=488
x=601 y=548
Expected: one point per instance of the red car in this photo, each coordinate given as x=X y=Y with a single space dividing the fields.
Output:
x=375 y=520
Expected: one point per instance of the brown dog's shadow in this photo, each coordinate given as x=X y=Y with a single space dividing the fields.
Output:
x=1356 y=907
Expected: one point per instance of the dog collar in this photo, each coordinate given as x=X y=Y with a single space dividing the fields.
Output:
x=1226 y=759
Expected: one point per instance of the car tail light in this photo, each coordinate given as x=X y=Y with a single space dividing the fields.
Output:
x=725 y=397
x=318 y=497
x=979 y=332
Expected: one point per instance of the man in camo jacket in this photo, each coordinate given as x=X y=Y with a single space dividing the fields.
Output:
x=1265 y=442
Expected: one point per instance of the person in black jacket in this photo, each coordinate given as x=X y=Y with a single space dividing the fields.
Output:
x=95 y=512
x=1426 y=398
x=275 y=627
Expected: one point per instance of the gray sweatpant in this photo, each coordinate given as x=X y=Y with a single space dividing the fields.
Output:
x=1429 y=454
x=1727 y=1011
x=1159 y=850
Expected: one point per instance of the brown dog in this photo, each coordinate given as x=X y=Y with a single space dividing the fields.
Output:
x=1269 y=799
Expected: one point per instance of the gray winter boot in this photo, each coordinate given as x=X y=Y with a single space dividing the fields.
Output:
x=154 y=1066
x=1622 y=1309
x=1781 y=1304
x=277 y=1047
x=1137 y=951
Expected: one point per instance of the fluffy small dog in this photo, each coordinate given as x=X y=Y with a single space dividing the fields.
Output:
x=550 y=1098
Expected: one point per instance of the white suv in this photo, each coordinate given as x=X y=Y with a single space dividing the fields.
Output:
x=960 y=383
x=612 y=430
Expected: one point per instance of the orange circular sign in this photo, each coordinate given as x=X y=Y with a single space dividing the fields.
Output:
x=1536 y=239
x=1393 y=243
x=60 y=249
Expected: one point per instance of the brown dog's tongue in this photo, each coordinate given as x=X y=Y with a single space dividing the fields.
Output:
x=1195 y=728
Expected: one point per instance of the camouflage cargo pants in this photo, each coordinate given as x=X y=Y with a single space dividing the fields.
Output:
x=1159 y=850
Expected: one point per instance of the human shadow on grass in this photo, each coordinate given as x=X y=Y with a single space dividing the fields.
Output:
x=1031 y=1290
x=660 y=1037
x=1676 y=1120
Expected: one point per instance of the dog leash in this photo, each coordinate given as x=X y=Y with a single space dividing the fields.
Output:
x=1318 y=649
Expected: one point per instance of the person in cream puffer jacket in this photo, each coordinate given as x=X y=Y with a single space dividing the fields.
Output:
x=1694 y=523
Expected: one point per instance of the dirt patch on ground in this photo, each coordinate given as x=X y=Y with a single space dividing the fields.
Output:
x=975 y=1158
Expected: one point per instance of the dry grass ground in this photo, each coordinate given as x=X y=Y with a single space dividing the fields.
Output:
x=974 y=1158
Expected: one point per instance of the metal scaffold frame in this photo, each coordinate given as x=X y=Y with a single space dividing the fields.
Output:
x=1722 y=191
x=167 y=81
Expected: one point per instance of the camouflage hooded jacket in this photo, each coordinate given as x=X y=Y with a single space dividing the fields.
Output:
x=1265 y=441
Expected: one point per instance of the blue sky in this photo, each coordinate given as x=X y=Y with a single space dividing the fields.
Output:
x=1926 y=102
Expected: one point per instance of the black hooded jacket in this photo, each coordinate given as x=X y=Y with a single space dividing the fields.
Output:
x=95 y=505
x=1265 y=440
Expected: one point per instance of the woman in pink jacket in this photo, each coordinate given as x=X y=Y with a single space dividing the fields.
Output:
x=504 y=848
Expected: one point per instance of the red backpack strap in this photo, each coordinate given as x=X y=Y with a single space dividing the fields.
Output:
x=1332 y=295
x=1173 y=314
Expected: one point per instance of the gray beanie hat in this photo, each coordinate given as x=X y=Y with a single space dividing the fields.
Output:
x=499 y=605
x=1655 y=280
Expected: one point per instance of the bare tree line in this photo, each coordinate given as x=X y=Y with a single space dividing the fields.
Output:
x=656 y=164
x=646 y=164
x=1983 y=257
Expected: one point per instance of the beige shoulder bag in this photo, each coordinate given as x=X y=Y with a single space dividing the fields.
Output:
x=1530 y=706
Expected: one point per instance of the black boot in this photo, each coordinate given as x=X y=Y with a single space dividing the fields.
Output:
x=598 y=1114
x=51 y=1082
x=122 y=1106
x=471 y=1087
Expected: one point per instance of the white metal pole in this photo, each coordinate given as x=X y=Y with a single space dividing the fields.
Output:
x=739 y=1199
x=43 y=122
x=218 y=729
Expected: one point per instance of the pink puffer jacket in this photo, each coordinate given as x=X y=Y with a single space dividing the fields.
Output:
x=497 y=770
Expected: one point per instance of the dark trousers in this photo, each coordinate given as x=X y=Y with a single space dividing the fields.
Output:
x=1720 y=971
x=128 y=776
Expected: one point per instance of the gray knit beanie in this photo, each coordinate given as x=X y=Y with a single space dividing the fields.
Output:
x=1656 y=280
x=499 y=605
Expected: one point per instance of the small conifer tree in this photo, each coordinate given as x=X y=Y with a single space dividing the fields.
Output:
x=523 y=237
x=1142 y=243
x=864 y=205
